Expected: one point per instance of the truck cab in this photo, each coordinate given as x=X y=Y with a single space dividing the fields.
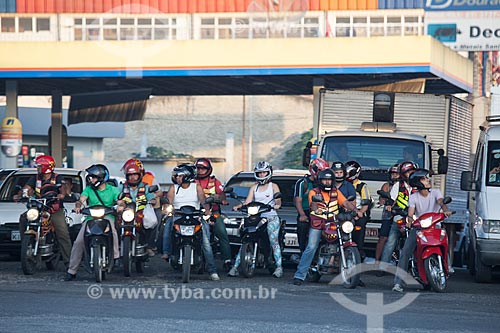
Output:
x=483 y=184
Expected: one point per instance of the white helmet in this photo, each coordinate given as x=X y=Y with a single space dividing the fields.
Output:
x=263 y=166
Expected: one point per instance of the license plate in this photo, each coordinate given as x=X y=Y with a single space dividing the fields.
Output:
x=371 y=232
x=291 y=240
x=15 y=235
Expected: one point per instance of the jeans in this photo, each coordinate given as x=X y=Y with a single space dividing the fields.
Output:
x=390 y=245
x=410 y=245
x=206 y=248
x=308 y=255
x=303 y=232
x=221 y=233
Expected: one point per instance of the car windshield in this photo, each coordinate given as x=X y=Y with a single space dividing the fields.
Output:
x=493 y=167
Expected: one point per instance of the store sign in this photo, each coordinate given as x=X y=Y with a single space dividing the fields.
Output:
x=465 y=31
x=11 y=136
x=449 y=5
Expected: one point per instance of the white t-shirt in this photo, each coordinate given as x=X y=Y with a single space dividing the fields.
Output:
x=425 y=204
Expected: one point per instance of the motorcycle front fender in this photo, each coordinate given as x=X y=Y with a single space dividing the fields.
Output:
x=430 y=250
x=349 y=244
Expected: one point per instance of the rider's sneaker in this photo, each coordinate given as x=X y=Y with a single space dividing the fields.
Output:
x=151 y=252
x=70 y=277
x=278 y=272
x=451 y=270
x=297 y=282
x=214 y=277
x=227 y=265
x=397 y=288
x=233 y=272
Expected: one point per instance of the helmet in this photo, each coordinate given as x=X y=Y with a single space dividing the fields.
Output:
x=325 y=174
x=416 y=177
x=317 y=165
x=204 y=163
x=263 y=166
x=406 y=166
x=337 y=166
x=187 y=170
x=45 y=164
x=353 y=169
x=133 y=166
x=394 y=169
x=98 y=171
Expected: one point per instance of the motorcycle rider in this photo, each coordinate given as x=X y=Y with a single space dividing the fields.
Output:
x=353 y=170
x=383 y=232
x=36 y=185
x=421 y=202
x=333 y=200
x=341 y=183
x=400 y=193
x=263 y=191
x=97 y=192
x=301 y=199
x=185 y=191
x=149 y=178
x=212 y=186
x=135 y=190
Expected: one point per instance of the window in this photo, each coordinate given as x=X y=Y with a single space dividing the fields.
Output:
x=42 y=24
x=8 y=24
x=25 y=24
x=493 y=164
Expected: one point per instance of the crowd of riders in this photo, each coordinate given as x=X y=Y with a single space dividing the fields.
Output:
x=192 y=183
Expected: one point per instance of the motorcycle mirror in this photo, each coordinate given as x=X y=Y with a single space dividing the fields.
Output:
x=164 y=201
x=446 y=200
x=153 y=188
x=365 y=202
x=210 y=200
x=228 y=190
x=277 y=195
x=383 y=194
x=317 y=198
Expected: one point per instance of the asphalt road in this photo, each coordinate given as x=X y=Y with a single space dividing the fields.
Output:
x=158 y=301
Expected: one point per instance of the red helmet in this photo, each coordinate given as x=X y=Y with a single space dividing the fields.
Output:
x=316 y=166
x=45 y=164
x=203 y=164
x=406 y=166
x=133 y=166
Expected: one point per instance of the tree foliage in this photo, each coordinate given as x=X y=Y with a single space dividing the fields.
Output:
x=293 y=156
x=159 y=153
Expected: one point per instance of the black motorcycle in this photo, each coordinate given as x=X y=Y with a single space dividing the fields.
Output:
x=255 y=251
x=39 y=242
x=98 y=239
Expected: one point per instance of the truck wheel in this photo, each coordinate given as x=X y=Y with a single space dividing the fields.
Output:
x=482 y=272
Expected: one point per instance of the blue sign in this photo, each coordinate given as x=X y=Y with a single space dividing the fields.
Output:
x=453 y=5
x=445 y=33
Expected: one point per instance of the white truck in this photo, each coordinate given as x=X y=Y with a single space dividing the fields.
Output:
x=380 y=129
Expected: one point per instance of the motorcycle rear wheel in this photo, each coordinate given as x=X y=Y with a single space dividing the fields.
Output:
x=127 y=255
x=29 y=262
x=352 y=258
x=186 y=263
x=98 y=271
x=246 y=255
x=435 y=275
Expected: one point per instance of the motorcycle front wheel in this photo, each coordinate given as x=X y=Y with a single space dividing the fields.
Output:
x=246 y=255
x=352 y=258
x=97 y=261
x=127 y=255
x=29 y=261
x=435 y=275
x=186 y=263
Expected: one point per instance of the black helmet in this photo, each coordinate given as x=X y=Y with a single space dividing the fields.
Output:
x=353 y=169
x=187 y=170
x=339 y=166
x=98 y=171
x=326 y=174
x=416 y=177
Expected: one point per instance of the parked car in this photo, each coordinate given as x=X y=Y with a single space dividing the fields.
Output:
x=10 y=236
x=241 y=183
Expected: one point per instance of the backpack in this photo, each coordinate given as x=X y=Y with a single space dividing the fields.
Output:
x=359 y=188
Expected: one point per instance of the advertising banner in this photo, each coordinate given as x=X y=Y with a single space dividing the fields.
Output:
x=452 y=5
x=11 y=136
x=465 y=31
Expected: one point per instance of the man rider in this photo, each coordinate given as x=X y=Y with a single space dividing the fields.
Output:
x=341 y=183
x=213 y=187
x=333 y=200
x=37 y=185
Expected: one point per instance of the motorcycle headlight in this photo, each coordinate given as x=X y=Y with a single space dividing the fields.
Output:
x=32 y=214
x=97 y=212
x=253 y=210
x=128 y=215
x=347 y=227
x=426 y=223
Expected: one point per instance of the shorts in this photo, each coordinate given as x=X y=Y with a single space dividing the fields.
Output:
x=385 y=228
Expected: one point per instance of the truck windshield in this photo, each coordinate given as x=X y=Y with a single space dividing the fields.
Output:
x=493 y=167
x=375 y=154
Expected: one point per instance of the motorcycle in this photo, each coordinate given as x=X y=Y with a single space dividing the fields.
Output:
x=255 y=250
x=98 y=239
x=336 y=248
x=39 y=242
x=187 y=238
x=133 y=236
x=429 y=263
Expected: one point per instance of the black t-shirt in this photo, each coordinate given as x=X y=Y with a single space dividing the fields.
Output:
x=58 y=180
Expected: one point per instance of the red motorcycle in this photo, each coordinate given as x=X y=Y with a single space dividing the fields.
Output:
x=429 y=264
